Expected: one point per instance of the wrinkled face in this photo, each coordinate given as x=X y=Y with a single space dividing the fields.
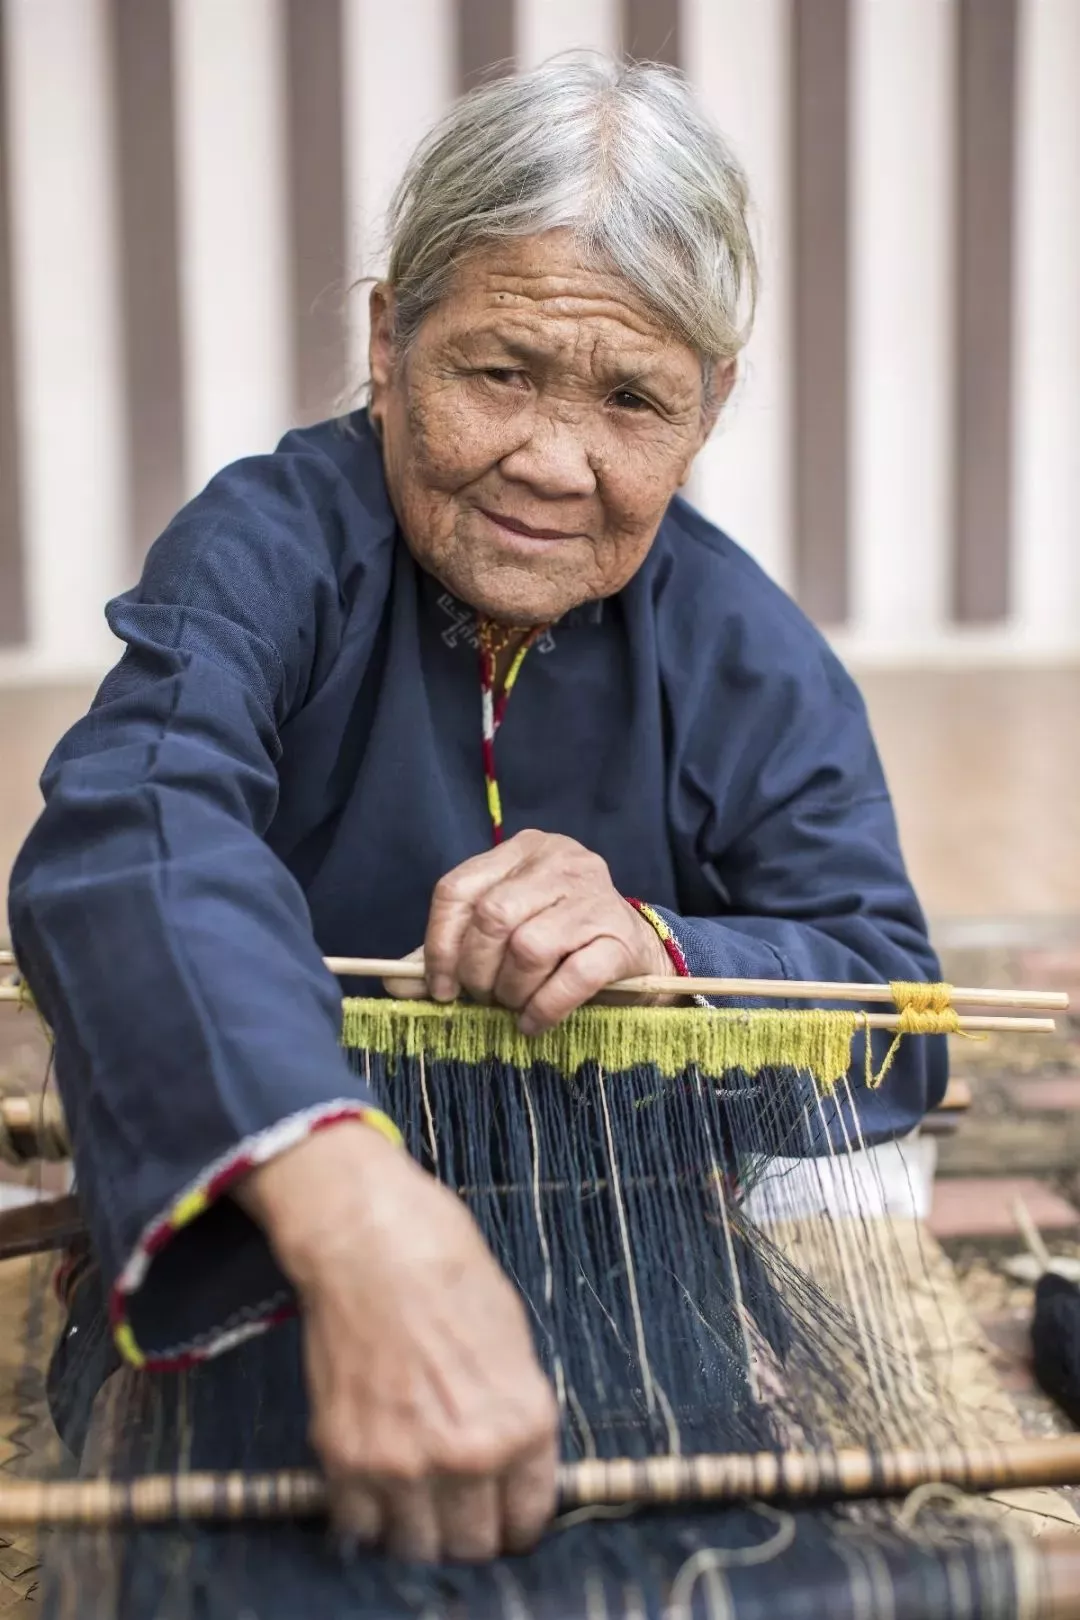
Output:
x=535 y=429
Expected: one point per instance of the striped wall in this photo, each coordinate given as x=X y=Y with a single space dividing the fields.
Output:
x=188 y=188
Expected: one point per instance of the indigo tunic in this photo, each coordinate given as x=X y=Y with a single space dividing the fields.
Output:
x=287 y=758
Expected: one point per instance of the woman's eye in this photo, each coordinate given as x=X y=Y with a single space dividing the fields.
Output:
x=627 y=400
x=504 y=374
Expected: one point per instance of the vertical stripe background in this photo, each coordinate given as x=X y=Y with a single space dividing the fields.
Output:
x=315 y=204
x=63 y=226
x=12 y=603
x=652 y=30
x=234 y=267
x=142 y=89
x=901 y=329
x=819 y=89
x=739 y=58
x=191 y=208
x=986 y=147
x=1045 y=555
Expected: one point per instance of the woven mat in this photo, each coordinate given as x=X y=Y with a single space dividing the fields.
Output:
x=25 y=1428
x=952 y=1352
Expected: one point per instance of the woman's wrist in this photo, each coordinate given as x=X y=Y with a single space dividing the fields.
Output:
x=674 y=959
x=309 y=1200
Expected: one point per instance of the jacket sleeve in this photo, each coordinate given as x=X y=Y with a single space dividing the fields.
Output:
x=171 y=952
x=799 y=843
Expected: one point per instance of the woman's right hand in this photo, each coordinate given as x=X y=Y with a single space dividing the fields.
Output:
x=433 y=1421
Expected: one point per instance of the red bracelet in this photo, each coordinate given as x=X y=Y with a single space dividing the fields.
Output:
x=667 y=938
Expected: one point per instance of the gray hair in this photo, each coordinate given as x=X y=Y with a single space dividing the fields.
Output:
x=620 y=154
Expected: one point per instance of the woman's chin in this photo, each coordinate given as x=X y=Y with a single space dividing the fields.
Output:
x=513 y=591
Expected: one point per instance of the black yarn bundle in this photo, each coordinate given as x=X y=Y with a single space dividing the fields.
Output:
x=1055 y=1342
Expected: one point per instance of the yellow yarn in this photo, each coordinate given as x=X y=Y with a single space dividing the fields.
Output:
x=814 y=1040
x=924 y=1009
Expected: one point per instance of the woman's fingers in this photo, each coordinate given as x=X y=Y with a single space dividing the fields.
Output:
x=408 y=989
x=488 y=955
x=539 y=946
x=411 y=1524
x=510 y=925
x=482 y=932
x=357 y=1513
x=577 y=979
x=528 y=1498
x=452 y=906
x=460 y=1518
x=470 y=1518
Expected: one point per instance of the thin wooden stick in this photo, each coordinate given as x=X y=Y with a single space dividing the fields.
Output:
x=40 y=1227
x=388 y=967
x=380 y=967
x=1031 y=1234
x=967 y=1026
x=803 y=1476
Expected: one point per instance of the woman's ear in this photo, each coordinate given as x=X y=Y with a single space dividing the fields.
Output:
x=724 y=374
x=721 y=382
x=381 y=346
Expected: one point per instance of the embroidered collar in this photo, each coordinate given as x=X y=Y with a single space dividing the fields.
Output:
x=462 y=626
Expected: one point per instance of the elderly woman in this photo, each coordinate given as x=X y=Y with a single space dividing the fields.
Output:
x=461 y=669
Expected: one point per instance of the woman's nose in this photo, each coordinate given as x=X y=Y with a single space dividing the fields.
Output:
x=554 y=459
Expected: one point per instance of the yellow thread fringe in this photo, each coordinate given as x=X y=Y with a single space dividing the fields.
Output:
x=812 y=1039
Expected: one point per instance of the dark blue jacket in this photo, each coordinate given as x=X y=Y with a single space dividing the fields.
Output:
x=287 y=758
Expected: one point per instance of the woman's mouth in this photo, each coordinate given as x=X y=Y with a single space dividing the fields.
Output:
x=527 y=532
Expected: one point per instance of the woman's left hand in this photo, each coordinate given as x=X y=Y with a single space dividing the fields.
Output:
x=537 y=925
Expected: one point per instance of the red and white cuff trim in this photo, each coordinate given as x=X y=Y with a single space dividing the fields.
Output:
x=667 y=938
x=195 y=1200
x=669 y=942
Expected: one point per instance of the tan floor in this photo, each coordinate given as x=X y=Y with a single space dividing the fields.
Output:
x=985 y=769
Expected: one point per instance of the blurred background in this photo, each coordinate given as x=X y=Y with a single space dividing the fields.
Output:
x=188 y=189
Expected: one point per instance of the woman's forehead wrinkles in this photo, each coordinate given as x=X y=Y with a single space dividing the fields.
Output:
x=601 y=344
x=542 y=338
x=572 y=298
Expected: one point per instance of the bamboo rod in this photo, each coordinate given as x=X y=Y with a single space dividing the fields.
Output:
x=967 y=1026
x=381 y=967
x=388 y=967
x=765 y=1476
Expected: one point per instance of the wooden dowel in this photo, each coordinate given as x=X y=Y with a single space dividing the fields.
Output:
x=389 y=967
x=1026 y=1026
x=40 y=1227
x=802 y=1476
x=381 y=967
